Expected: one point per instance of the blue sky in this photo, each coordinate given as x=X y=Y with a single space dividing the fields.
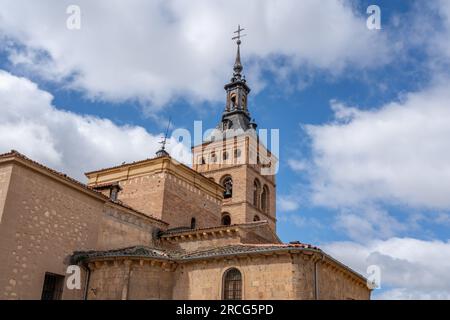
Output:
x=363 y=114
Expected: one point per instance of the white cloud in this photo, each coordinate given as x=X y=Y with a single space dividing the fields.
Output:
x=156 y=51
x=301 y=221
x=398 y=154
x=440 y=39
x=63 y=140
x=410 y=268
x=298 y=165
x=368 y=223
x=288 y=203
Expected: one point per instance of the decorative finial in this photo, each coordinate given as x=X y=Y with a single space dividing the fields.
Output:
x=237 y=64
x=162 y=152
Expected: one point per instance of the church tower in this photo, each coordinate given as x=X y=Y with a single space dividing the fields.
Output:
x=234 y=157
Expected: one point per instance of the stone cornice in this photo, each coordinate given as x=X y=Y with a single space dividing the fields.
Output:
x=201 y=234
x=164 y=165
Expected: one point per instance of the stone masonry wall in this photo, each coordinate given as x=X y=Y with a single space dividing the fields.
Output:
x=130 y=280
x=334 y=283
x=169 y=198
x=144 y=193
x=120 y=229
x=182 y=202
x=43 y=222
x=263 y=278
x=5 y=174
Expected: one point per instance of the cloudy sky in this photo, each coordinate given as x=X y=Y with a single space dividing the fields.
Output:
x=364 y=115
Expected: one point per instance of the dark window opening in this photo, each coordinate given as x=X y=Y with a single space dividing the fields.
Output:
x=233 y=102
x=232 y=285
x=53 y=287
x=114 y=193
x=265 y=199
x=256 y=218
x=226 y=220
x=228 y=185
x=227 y=124
x=193 y=223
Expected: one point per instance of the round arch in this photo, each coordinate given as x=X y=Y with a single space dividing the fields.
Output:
x=227 y=182
x=226 y=219
x=232 y=284
x=256 y=193
x=265 y=205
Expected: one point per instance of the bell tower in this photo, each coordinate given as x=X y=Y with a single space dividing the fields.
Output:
x=234 y=157
x=236 y=114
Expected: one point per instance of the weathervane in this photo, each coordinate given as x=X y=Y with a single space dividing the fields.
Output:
x=162 y=151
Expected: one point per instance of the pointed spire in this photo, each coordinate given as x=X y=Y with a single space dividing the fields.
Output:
x=236 y=115
x=237 y=64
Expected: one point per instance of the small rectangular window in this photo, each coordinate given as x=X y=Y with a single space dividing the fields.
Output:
x=113 y=194
x=53 y=287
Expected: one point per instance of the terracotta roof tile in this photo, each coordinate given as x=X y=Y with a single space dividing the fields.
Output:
x=179 y=256
x=150 y=252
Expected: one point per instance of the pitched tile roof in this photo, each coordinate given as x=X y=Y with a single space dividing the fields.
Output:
x=159 y=253
x=179 y=256
x=244 y=249
x=137 y=251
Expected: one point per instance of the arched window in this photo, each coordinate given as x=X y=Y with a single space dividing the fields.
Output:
x=232 y=285
x=193 y=223
x=256 y=192
x=233 y=101
x=227 y=183
x=213 y=157
x=265 y=199
x=227 y=124
x=226 y=219
x=256 y=218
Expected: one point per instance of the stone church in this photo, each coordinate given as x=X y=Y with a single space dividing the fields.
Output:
x=158 y=229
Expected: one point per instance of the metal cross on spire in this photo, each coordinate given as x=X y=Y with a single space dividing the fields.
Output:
x=237 y=64
x=239 y=36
